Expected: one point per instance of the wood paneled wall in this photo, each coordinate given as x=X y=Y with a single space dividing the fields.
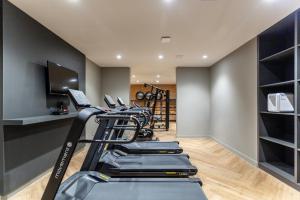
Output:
x=172 y=88
x=140 y=87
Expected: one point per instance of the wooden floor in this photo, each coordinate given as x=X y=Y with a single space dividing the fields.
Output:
x=225 y=175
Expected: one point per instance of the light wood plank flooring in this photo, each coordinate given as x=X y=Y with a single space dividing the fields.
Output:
x=225 y=175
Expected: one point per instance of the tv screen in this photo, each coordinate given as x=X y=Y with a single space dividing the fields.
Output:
x=61 y=79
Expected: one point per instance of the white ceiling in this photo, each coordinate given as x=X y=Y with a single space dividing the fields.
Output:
x=104 y=28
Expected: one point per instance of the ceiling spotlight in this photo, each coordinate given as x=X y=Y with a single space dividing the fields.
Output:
x=270 y=1
x=168 y=1
x=157 y=76
x=133 y=76
x=73 y=1
x=137 y=81
x=160 y=57
x=119 y=56
x=157 y=81
x=204 y=56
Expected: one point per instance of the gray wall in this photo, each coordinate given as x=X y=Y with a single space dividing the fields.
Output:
x=1 y=103
x=115 y=81
x=93 y=92
x=27 y=45
x=193 y=102
x=234 y=101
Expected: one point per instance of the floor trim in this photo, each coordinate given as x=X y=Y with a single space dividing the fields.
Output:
x=237 y=152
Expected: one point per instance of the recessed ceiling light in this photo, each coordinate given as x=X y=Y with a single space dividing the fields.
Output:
x=133 y=76
x=73 y=1
x=157 y=76
x=204 y=56
x=270 y=1
x=119 y=56
x=73 y=80
x=137 y=81
x=168 y=1
x=157 y=81
x=160 y=57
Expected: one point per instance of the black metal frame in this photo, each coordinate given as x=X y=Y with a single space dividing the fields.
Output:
x=103 y=137
x=106 y=126
x=158 y=91
x=67 y=152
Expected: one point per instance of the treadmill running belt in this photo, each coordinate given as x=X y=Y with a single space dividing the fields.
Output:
x=148 y=165
x=91 y=186
x=150 y=147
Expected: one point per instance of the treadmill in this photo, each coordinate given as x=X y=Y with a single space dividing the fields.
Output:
x=116 y=163
x=142 y=147
x=89 y=185
x=119 y=164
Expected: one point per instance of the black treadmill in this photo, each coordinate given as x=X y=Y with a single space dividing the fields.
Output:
x=143 y=147
x=116 y=163
x=90 y=185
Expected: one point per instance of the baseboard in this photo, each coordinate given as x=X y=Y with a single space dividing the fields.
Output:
x=3 y=198
x=237 y=152
x=32 y=181
x=192 y=136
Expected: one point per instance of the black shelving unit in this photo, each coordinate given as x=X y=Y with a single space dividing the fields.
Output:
x=279 y=71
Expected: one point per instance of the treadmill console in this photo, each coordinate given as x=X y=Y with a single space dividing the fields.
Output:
x=79 y=99
x=109 y=101
x=120 y=101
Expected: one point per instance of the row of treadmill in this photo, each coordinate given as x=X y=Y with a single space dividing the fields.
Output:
x=124 y=160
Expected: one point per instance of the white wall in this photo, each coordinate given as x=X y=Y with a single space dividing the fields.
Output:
x=234 y=101
x=193 y=102
x=93 y=92
x=115 y=82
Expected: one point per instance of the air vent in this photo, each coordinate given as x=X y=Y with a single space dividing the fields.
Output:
x=165 y=39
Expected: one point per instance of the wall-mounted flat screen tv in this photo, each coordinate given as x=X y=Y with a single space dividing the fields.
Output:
x=60 y=79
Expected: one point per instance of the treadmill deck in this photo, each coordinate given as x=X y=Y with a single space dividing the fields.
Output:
x=146 y=165
x=93 y=185
x=150 y=147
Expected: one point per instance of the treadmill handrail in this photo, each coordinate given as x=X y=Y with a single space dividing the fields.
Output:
x=67 y=151
x=137 y=131
x=71 y=142
x=139 y=114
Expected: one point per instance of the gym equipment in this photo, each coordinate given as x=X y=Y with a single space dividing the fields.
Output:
x=145 y=147
x=145 y=134
x=148 y=96
x=116 y=163
x=119 y=164
x=157 y=95
x=140 y=95
x=93 y=185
